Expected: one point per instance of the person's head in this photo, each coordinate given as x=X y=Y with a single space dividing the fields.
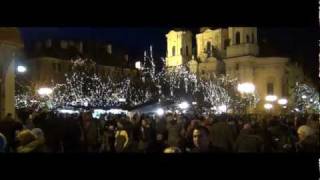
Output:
x=159 y=137
x=38 y=133
x=25 y=137
x=3 y=143
x=304 y=132
x=144 y=122
x=9 y=115
x=86 y=116
x=201 y=137
x=170 y=150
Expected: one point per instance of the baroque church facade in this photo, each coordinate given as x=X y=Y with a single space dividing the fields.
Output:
x=233 y=51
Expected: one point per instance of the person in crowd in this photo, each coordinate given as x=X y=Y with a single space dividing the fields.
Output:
x=201 y=141
x=147 y=137
x=308 y=141
x=174 y=131
x=247 y=141
x=122 y=140
x=71 y=135
x=222 y=135
x=9 y=128
x=3 y=143
x=29 y=142
x=90 y=133
x=170 y=150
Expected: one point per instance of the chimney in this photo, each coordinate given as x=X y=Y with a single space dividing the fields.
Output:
x=109 y=49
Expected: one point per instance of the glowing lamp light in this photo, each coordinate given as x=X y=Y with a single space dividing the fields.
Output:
x=304 y=96
x=271 y=98
x=98 y=112
x=222 y=108
x=246 y=88
x=283 y=101
x=160 y=111
x=45 y=91
x=138 y=65
x=268 y=106
x=194 y=103
x=21 y=69
x=116 y=111
x=183 y=105
x=67 y=111
x=122 y=100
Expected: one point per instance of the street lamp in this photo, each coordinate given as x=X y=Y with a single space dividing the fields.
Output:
x=268 y=106
x=138 y=65
x=246 y=88
x=283 y=101
x=45 y=91
x=21 y=69
x=271 y=98
x=160 y=111
x=222 y=108
x=122 y=100
x=183 y=105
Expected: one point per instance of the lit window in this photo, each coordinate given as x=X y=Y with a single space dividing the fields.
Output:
x=237 y=38
x=173 y=51
x=270 y=88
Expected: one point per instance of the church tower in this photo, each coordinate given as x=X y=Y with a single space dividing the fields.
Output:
x=179 y=47
x=243 y=41
x=211 y=42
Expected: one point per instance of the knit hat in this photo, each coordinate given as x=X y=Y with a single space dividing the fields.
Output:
x=306 y=130
x=37 y=132
x=3 y=143
x=172 y=150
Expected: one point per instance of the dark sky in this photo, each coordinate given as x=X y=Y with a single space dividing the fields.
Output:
x=298 y=43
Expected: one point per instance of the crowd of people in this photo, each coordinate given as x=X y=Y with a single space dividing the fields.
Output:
x=54 y=132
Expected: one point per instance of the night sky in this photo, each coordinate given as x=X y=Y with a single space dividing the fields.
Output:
x=298 y=43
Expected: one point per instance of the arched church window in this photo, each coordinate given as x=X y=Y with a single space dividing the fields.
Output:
x=248 y=39
x=252 y=38
x=208 y=46
x=237 y=38
x=173 y=51
x=187 y=51
x=226 y=43
x=270 y=88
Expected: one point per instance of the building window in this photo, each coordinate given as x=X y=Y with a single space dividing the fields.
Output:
x=248 y=39
x=173 y=51
x=54 y=66
x=59 y=67
x=226 y=43
x=252 y=38
x=208 y=46
x=237 y=38
x=270 y=88
x=181 y=53
x=237 y=67
x=187 y=51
